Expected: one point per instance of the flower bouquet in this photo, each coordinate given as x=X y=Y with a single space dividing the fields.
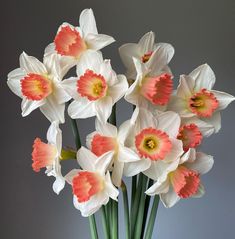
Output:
x=156 y=147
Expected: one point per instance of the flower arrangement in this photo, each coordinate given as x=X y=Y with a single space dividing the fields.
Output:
x=157 y=147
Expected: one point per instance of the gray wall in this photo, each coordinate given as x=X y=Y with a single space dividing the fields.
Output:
x=201 y=31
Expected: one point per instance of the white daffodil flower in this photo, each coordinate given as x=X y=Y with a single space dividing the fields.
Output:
x=47 y=155
x=107 y=138
x=92 y=186
x=95 y=89
x=152 y=88
x=154 y=138
x=147 y=52
x=39 y=86
x=71 y=42
x=195 y=98
x=181 y=178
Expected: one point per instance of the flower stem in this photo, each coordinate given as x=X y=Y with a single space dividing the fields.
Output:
x=126 y=209
x=149 y=230
x=115 y=219
x=139 y=222
x=135 y=206
x=76 y=133
x=93 y=229
x=105 y=223
x=133 y=190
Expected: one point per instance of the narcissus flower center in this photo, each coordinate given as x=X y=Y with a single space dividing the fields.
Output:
x=146 y=56
x=92 y=85
x=43 y=155
x=203 y=103
x=190 y=135
x=68 y=42
x=157 y=89
x=185 y=181
x=153 y=144
x=103 y=144
x=87 y=184
x=35 y=86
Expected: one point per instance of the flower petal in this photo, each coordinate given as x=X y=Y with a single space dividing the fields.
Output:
x=70 y=86
x=127 y=155
x=86 y=159
x=117 y=173
x=176 y=150
x=54 y=135
x=158 y=188
x=146 y=42
x=58 y=184
x=202 y=164
x=98 y=41
x=87 y=22
x=110 y=189
x=60 y=94
x=31 y=64
x=28 y=106
x=102 y=162
x=70 y=175
x=224 y=99
x=200 y=192
x=14 y=81
x=204 y=77
x=106 y=129
x=52 y=110
x=170 y=198
x=186 y=86
x=81 y=109
x=215 y=121
x=104 y=108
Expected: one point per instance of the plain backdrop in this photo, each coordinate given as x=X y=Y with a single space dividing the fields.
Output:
x=201 y=31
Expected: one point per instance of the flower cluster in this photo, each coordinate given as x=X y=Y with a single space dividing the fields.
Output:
x=159 y=141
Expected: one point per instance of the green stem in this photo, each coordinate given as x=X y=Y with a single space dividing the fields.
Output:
x=109 y=217
x=133 y=190
x=93 y=229
x=76 y=133
x=126 y=209
x=135 y=206
x=139 y=222
x=112 y=118
x=146 y=208
x=152 y=217
x=105 y=223
x=115 y=219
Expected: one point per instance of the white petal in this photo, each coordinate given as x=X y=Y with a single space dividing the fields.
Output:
x=169 y=122
x=91 y=60
x=86 y=159
x=106 y=129
x=31 y=64
x=59 y=93
x=118 y=90
x=89 y=139
x=52 y=110
x=224 y=99
x=98 y=41
x=186 y=87
x=87 y=22
x=189 y=156
x=202 y=164
x=117 y=173
x=176 y=150
x=107 y=72
x=28 y=106
x=81 y=109
x=104 y=108
x=127 y=155
x=14 y=81
x=70 y=175
x=140 y=67
x=170 y=198
x=102 y=163
x=59 y=184
x=214 y=120
x=127 y=52
x=200 y=192
x=111 y=191
x=204 y=77
x=160 y=58
x=54 y=135
x=70 y=86
x=158 y=188
x=133 y=168
x=123 y=131
x=146 y=43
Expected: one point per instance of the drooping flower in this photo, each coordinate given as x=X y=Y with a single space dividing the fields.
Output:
x=196 y=99
x=95 y=89
x=148 y=52
x=152 y=88
x=71 y=42
x=47 y=155
x=39 y=85
x=107 y=138
x=154 y=139
x=181 y=178
x=92 y=186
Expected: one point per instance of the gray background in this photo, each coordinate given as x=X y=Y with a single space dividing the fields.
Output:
x=201 y=31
